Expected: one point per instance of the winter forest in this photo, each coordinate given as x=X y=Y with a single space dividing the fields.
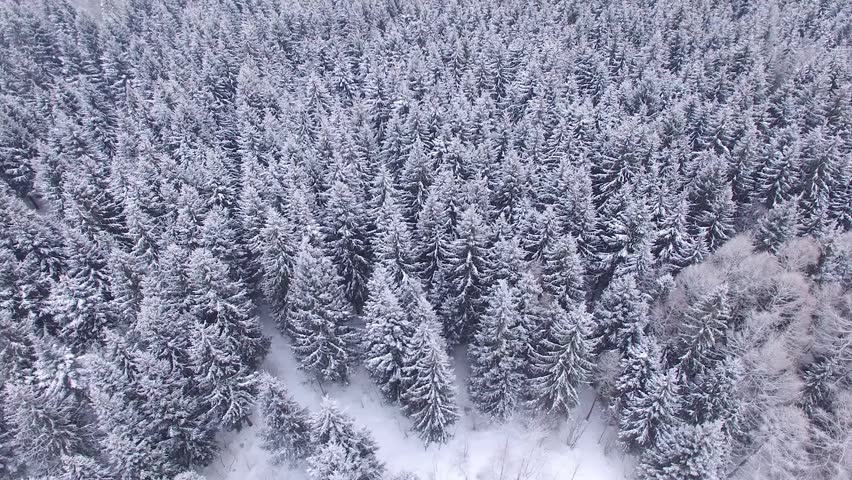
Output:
x=489 y=210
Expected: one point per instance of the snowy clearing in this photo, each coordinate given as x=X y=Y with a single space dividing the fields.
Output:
x=517 y=450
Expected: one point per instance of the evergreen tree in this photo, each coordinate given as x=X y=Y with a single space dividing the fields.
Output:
x=620 y=315
x=430 y=398
x=346 y=236
x=562 y=272
x=819 y=173
x=386 y=335
x=779 y=225
x=317 y=316
x=712 y=396
x=675 y=247
x=416 y=179
x=535 y=315
x=393 y=245
x=703 y=332
x=80 y=467
x=640 y=363
x=467 y=258
x=219 y=301
x=276 y=248
x=339 y=448
x=563 y=363
x=650 y=411
x=507 y=255
x=688 y=452
x=46 y=425
x=539 y=231
x=434 y=233
x=509 y=186
x=496 y=355
x=777 y=179
x=225 y=384
x=286 y=428
x=622 y=234
x=80 y=302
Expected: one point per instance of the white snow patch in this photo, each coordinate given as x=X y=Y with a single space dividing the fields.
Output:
x=479 y=450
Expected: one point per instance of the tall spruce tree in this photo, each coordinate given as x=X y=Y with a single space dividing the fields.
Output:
x=496 y=355
x=386 y=336
x=467 y=258
x=430 y=399
x=317 y=316
x=286 y=427
x=562 y=363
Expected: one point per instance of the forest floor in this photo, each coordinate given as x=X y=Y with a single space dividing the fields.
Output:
x=521 y=449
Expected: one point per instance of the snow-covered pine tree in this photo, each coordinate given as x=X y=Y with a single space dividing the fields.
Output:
x=651 y=410
x=276 y=249
x=219 y=301
x=820 y=169
x=641 y=361
x=336 y=442
x=508 y=186
x=81 y=467
x=220 y=236
x=416 y=179
x=286 y=429
x=539 y=230
x=434 y=233
x=80 y=301
x=535 y=314
x=703 y=333
x=47 y=414
x=496 y=355
x=778 y=177
x=346 y=234
x=674 y=246
x=128 y=430
x=712 y=207
x=573 y=202
x=619 y=315
x=562 y=363
x=393 y=244
x=562 y=272
x=226 y=385
x=688 y=452
x=779 y=225
x=388 y=330
x=622 y=233
x=465 y=285
x=317 y=316
x=430 y=398
x=507 y=255
x=712 y=395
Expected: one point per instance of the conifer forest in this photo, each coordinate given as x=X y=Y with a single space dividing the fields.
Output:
x=630 y=213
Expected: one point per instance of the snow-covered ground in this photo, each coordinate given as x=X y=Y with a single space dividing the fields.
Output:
x=479 y=450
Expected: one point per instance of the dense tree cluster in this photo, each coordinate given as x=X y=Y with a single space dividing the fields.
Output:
x=654 y=197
